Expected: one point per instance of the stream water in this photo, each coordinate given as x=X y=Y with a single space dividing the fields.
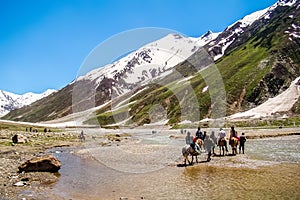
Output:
x=269 y=169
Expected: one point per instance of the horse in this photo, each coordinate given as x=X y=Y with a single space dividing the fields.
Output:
x=222 y=144
x=200 y=142
x=234 y=143
x=187 y=151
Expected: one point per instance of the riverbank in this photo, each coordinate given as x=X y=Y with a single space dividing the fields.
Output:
x=153 y=169
x=13 y=183
x=111 y=151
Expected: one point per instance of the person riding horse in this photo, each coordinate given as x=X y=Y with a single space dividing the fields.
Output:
x=195 y=145
x=199 y=134
x=192 y=141
x=233 y=134
x=222 y=136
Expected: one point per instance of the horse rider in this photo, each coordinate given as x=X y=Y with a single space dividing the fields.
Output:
x=222 y=134
x=233 y=134
x=199 y=134
x=195 y=145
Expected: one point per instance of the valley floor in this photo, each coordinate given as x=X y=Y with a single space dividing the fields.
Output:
x=38 y=184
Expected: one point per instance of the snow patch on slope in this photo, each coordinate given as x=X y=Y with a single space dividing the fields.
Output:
x=281 y=103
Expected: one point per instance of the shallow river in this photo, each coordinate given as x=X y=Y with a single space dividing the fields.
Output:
x=269 y=169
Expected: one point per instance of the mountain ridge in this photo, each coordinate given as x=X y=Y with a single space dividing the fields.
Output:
x=10 y=101
x=269 y=44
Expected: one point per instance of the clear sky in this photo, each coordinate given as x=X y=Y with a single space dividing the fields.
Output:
x=44 y=42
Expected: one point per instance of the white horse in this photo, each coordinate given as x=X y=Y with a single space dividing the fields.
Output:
x=187 y=151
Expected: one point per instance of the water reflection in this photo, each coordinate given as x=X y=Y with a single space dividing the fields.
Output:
x=84 y=178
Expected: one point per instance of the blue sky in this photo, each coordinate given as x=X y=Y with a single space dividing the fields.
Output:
x=44 y=42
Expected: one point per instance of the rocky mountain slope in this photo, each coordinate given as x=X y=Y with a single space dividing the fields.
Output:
x=257 y=58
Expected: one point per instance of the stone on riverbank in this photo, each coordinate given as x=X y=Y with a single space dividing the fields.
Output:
x=41 y=164
x=18 y=138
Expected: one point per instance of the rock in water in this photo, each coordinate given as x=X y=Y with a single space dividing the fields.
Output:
x=41 y=164
x=20 y=184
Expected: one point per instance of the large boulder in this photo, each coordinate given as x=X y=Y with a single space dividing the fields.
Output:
x=18 y=138
x=46 y=163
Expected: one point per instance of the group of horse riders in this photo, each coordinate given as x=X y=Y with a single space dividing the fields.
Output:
x=194 y=142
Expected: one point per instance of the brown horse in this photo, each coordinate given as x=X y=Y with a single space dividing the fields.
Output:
x=200 y=143
x=222 y=144
x=234 y=143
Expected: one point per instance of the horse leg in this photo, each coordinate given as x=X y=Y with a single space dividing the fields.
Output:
x=233 y=150
x=191 y=163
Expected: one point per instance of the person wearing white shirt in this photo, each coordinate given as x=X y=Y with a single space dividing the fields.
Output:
x=222 y=134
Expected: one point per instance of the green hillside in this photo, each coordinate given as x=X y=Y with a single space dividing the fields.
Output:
x=260 y=68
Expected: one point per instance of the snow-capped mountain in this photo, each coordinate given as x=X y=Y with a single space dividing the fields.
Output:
x=250 y=24
x=130 y=77
x=205 y=38
x=151 y=61
x=10 y=101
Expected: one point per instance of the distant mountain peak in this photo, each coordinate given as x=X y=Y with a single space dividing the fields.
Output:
x=286 y=2
x=10 y=101
x=208 y=33
x=230 y=36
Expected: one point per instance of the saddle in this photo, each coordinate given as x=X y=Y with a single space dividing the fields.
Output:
x=221 y=140
x=193 y=151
